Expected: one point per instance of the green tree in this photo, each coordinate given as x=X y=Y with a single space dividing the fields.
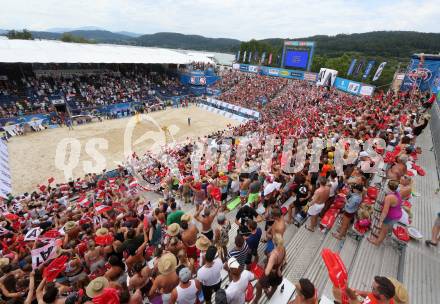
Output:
x=25 y=35
x=75 y=39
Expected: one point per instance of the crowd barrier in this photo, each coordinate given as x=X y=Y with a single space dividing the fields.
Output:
x=348 y=86
x=435 y=127
x=5 y=174
x=353 y=87
x=209 y=107
x=240 y=111
x=276 y=72
x=26 y=119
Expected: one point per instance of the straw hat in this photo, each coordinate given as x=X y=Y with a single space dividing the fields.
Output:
x=401 y=296
x=186 y=218
x=4 y=262
x=173 y=229
x=167 y=263
x=69 y=225
x=101 y=231
x=203 y=243
x=96 y=287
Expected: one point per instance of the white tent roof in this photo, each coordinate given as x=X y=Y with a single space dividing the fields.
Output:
x=51 y=51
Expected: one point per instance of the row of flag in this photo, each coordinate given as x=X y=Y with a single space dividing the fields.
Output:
x=254 y=57
x=356 y=67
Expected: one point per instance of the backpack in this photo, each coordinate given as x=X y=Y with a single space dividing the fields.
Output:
x=220 y=297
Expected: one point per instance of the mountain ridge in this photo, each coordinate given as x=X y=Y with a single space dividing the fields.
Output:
x=397 y=44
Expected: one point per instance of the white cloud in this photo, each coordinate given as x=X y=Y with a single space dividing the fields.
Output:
x=242 y=19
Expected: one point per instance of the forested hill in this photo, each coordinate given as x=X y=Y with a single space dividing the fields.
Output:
x=398 y=44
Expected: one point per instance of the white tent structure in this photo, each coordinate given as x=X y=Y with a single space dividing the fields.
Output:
x=51 y=51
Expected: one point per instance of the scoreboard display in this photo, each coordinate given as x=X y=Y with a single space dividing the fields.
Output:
x=298 y=55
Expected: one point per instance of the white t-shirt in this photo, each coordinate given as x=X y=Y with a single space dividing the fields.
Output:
x=333 y=186
x=235 y=186
x=210 y=276
x=236 y=291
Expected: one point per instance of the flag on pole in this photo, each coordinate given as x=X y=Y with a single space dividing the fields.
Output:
x=379 y=71
x=244 y=56
x=270 y=59
x=352 y=65
x=263 y=58
x=250 y=57
x=359 y=67
x=237 y=57
x=368 y=69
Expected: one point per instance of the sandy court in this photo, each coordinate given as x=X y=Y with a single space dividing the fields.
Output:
x=32 y=157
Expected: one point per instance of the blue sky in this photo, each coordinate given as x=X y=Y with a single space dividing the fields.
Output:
x=241 y=19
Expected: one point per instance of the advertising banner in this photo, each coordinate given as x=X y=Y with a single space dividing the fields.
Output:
x=5 y=176
x=272 y=72
x=309 y=76
x=244 y=68
x=368 y=69
x=326 y=77
x=353 y=87
x=423 y=76
x=253 y=69
x=351 y=68
x=379 y=71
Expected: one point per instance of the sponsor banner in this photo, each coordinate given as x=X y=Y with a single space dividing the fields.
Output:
x=351 y=68
x=359 y=68
x=284 y=73
x=3 y=77
x=309 y=76
x=298 y=75
x=253 y=69
x=326 y=77
x=353 y=87
x=272 y=72
x=370 y=65
x=5 y=180
x=379 y=71
x=366 y=90
x=268 y=71
x=236 y=66
x=221 y=105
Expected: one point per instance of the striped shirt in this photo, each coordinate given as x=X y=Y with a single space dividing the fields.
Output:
x=240 y=254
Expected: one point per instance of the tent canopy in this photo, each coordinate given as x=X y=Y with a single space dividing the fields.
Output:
x=51 y=51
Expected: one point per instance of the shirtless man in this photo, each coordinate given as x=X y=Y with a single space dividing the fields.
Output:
x=189 y=236
x=405 y=187
x=273 y=276
x=93 y=257
x=206 y=220
x=244 y=190
x=278 y=227
x=141 y=279
x=167 y=280
x=399 y=169
x=318 y=201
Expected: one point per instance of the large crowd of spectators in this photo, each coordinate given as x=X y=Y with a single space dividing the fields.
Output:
x=250 y=90
x=112 y=245
x=32 y=95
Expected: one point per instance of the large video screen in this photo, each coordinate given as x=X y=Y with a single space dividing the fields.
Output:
x=296 y=59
